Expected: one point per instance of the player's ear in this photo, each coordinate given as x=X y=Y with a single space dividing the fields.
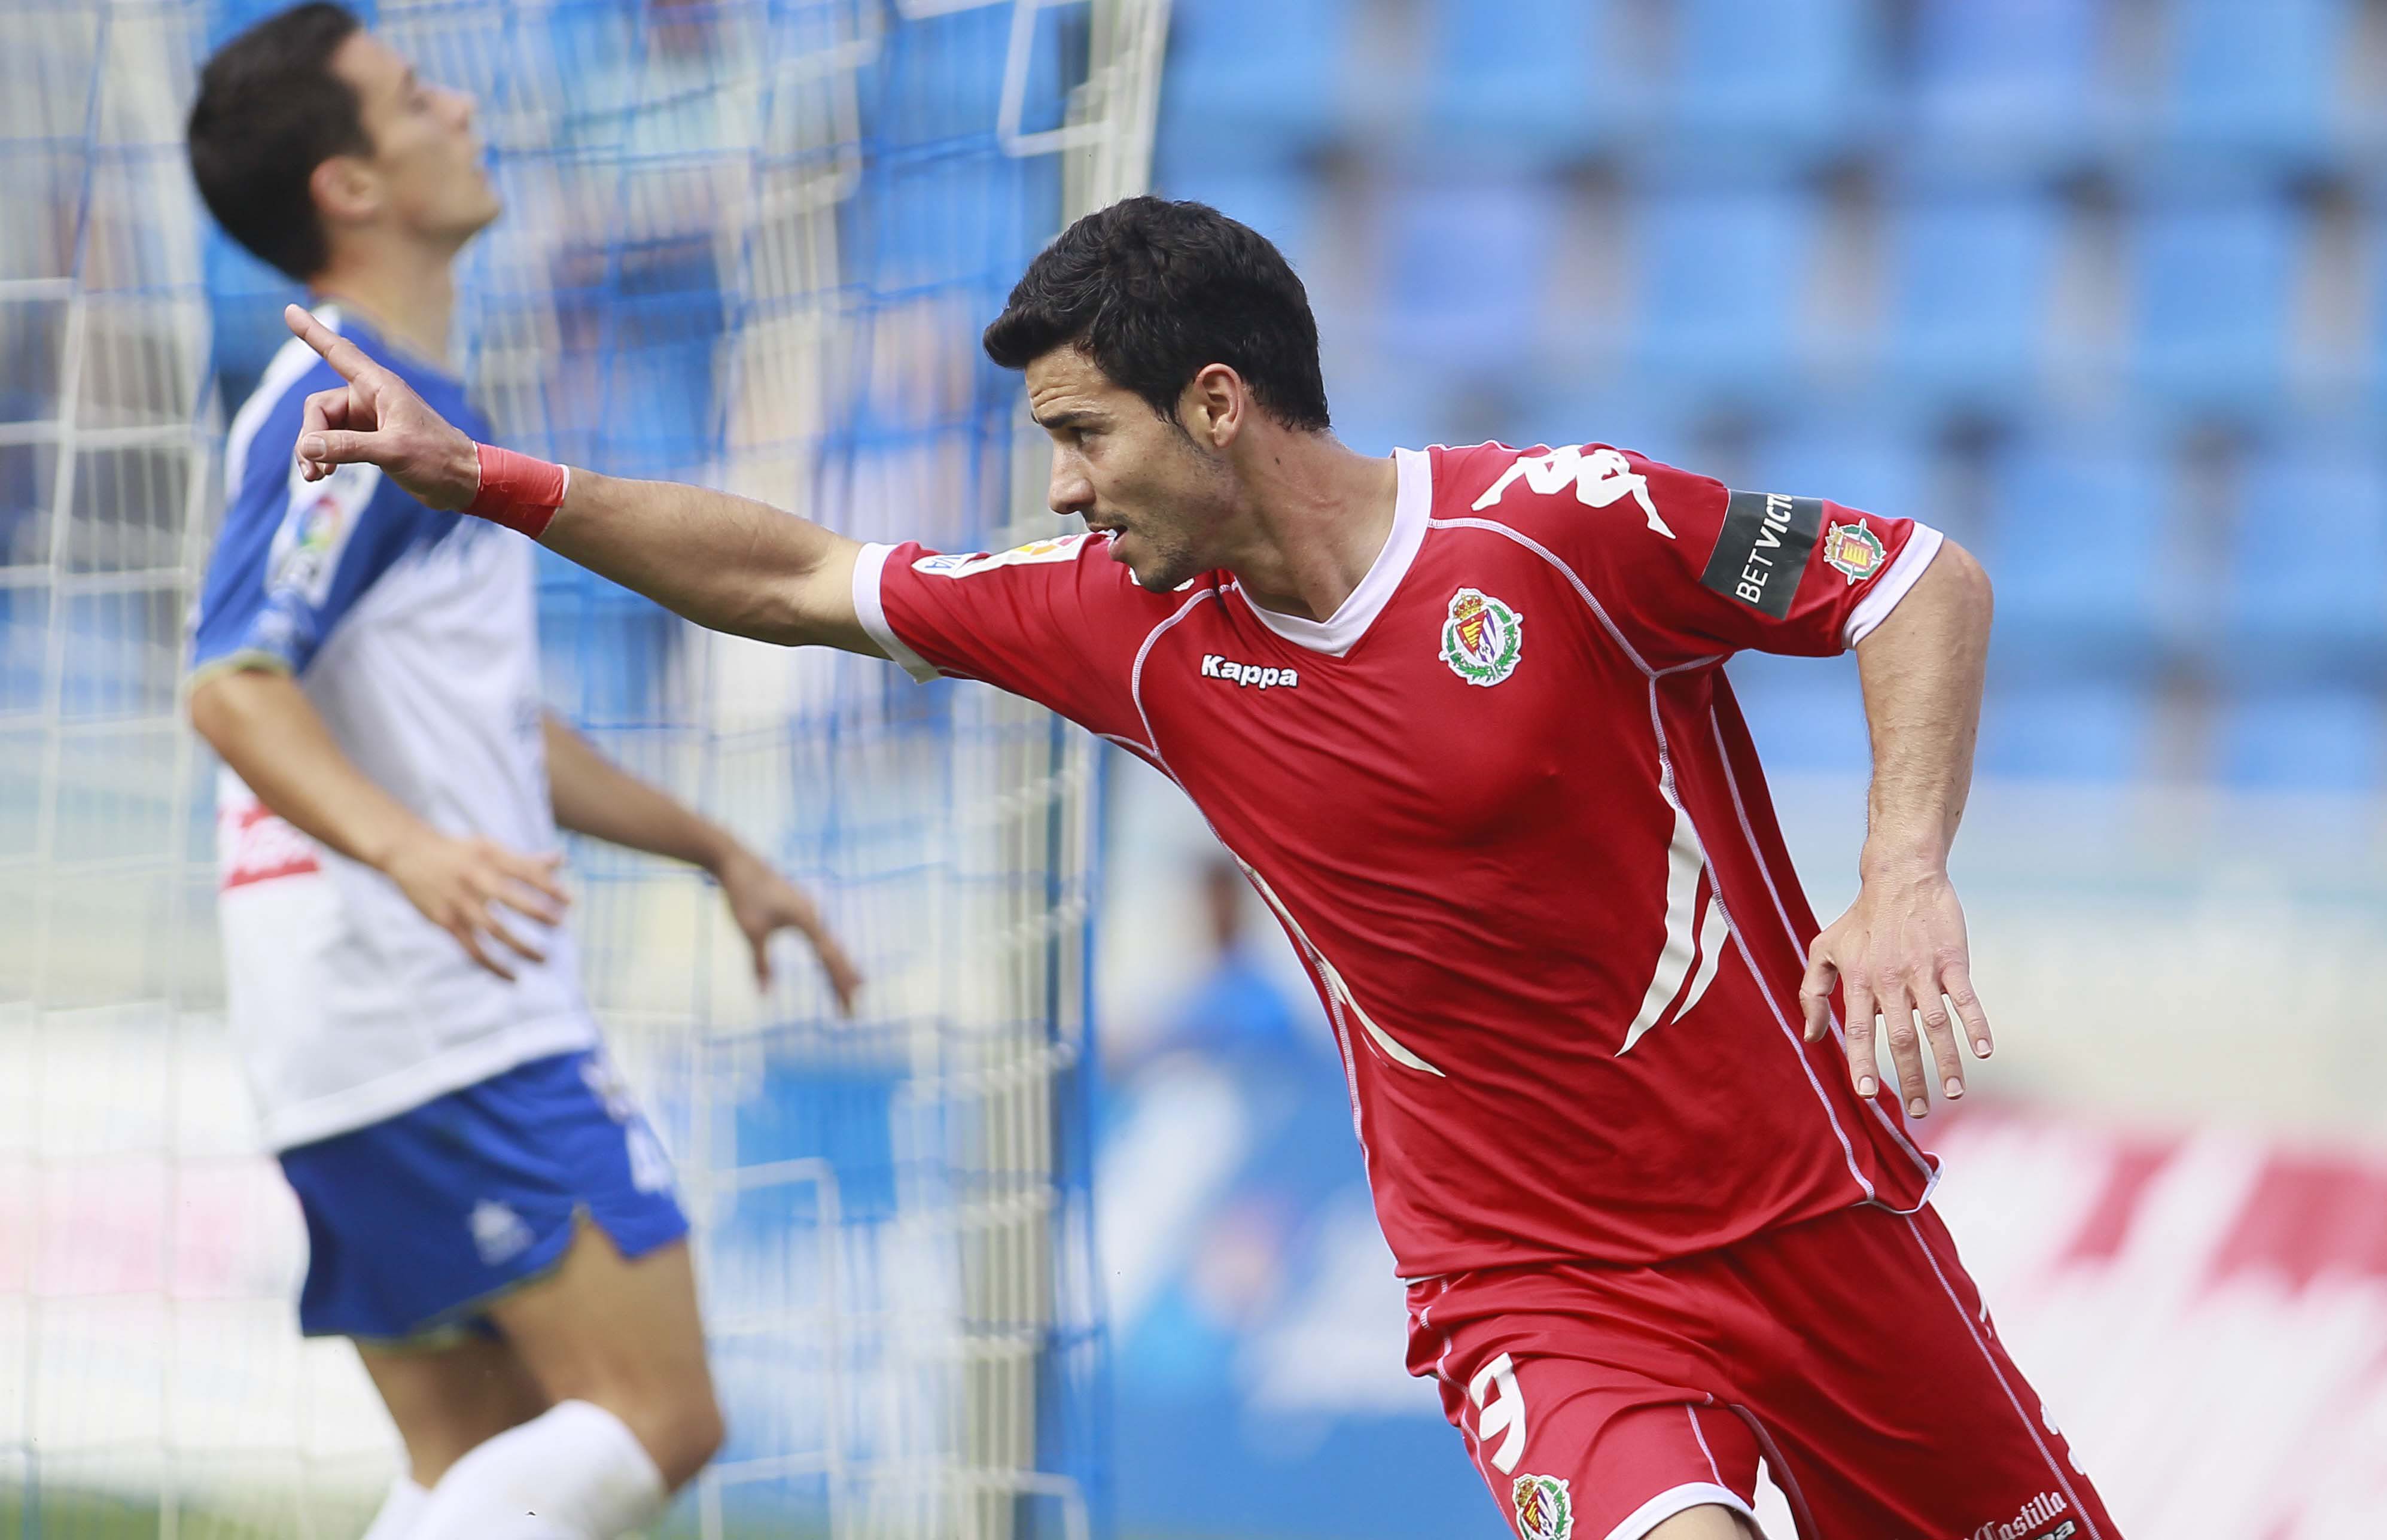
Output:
x=345 y=190
x=1213 y=406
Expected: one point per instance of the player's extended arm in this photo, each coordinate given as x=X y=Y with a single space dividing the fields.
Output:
x=1902 y=946
x=595 y=797
x=267 y=730
x=726 y=562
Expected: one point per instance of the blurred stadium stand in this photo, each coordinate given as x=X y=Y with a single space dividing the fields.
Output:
x=2099 y=285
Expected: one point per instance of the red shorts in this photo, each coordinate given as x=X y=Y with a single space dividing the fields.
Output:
x=1850 y=1352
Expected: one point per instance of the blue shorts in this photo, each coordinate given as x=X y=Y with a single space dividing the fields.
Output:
x=414 y=1224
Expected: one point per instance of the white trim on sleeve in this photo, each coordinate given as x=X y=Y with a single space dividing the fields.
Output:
x=868 y=568
x=1666 y=1504
x=1891 y=586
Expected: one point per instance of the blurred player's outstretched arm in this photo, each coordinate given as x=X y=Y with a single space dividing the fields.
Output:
x=596 y=798
x=1900 y=950
x=728 y=564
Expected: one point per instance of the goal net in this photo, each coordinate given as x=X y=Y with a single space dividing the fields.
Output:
x=747 y=243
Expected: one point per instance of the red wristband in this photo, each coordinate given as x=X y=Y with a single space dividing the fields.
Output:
x=517 y=491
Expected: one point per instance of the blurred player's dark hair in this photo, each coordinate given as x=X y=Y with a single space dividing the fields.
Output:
x=269 y=111
x=1153 y=292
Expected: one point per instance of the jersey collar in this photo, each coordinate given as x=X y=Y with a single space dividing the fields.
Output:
x=1340 y=632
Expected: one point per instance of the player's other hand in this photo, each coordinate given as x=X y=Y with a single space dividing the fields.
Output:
x=465 y=886
x=376 y=419
x=764 y=904
x=1898 y=954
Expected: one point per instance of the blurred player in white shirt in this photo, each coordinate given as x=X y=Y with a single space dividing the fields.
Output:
x=490 y=1217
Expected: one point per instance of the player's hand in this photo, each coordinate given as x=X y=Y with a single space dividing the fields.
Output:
x=376 y=419
x=764 y=904
x=1897 y=952
x=463 y=886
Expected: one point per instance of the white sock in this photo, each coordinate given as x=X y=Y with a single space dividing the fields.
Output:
x=574 y=1473
x=400 y=1509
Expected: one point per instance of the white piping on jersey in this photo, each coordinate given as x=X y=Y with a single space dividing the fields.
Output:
x=1340 y=632
x=1711 y=937
x=288 y=366
x=1338 y=993
x=1136 y=675
x=1666 y=786
x=1693 y=1413
x=1335 y=988
x=1790 y=933
x=1784 y=1477
x=1583 y=590
x=2063 y=1483
x=1685 y=862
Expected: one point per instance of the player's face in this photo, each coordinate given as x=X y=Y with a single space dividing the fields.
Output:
x=426 y=165
x=1161 y=496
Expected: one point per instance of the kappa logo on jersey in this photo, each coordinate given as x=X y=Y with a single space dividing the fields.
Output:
x=1503 y=1417
x=1249 y=676
x=1601 y=478
x=1762 y=549
x=1481 y=638
x=1854 y=551
x=1061 y=547
x=2032 y=1523
x=1543 y=1509
x=499 y=1232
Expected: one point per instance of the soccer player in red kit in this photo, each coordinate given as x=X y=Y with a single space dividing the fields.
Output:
x=1461 y=714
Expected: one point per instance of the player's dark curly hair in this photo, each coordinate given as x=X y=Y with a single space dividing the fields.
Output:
x=1153 y=292
x=269 y=111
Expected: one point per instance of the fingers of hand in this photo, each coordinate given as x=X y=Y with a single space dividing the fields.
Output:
x=1939 y=1030
x=547 y=899
x=1815 y=995
x=490 y=923
x=1862 y=1064
x=1956 y=979
x=468 y=937
x=338 y=350
x=843 y=976
x=1906 y=1047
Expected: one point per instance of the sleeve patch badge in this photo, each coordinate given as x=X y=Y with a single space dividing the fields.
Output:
x=1854 y=551
x=306 y=550
x=1761 y=550
x=1062 y=547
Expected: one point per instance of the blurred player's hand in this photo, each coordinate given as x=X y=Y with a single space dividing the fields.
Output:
x=376 y=419
x=460 y=885
x=764 y=904
x=1897 y=952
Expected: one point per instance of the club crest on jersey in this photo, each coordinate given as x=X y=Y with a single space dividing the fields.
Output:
x=1481 y=638
x=1854 y=551
x=1543 y=1509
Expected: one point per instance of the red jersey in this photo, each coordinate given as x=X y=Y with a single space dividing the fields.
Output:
x=1505 y=806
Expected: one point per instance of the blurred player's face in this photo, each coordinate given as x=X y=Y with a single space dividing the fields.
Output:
x=426 y=178
x=1161 y=495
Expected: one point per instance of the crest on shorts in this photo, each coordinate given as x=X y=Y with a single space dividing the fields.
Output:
x=1481 y=638
x=1544 y=1510
x=1854 y=550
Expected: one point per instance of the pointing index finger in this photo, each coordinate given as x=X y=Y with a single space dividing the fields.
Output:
x=338 y=351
